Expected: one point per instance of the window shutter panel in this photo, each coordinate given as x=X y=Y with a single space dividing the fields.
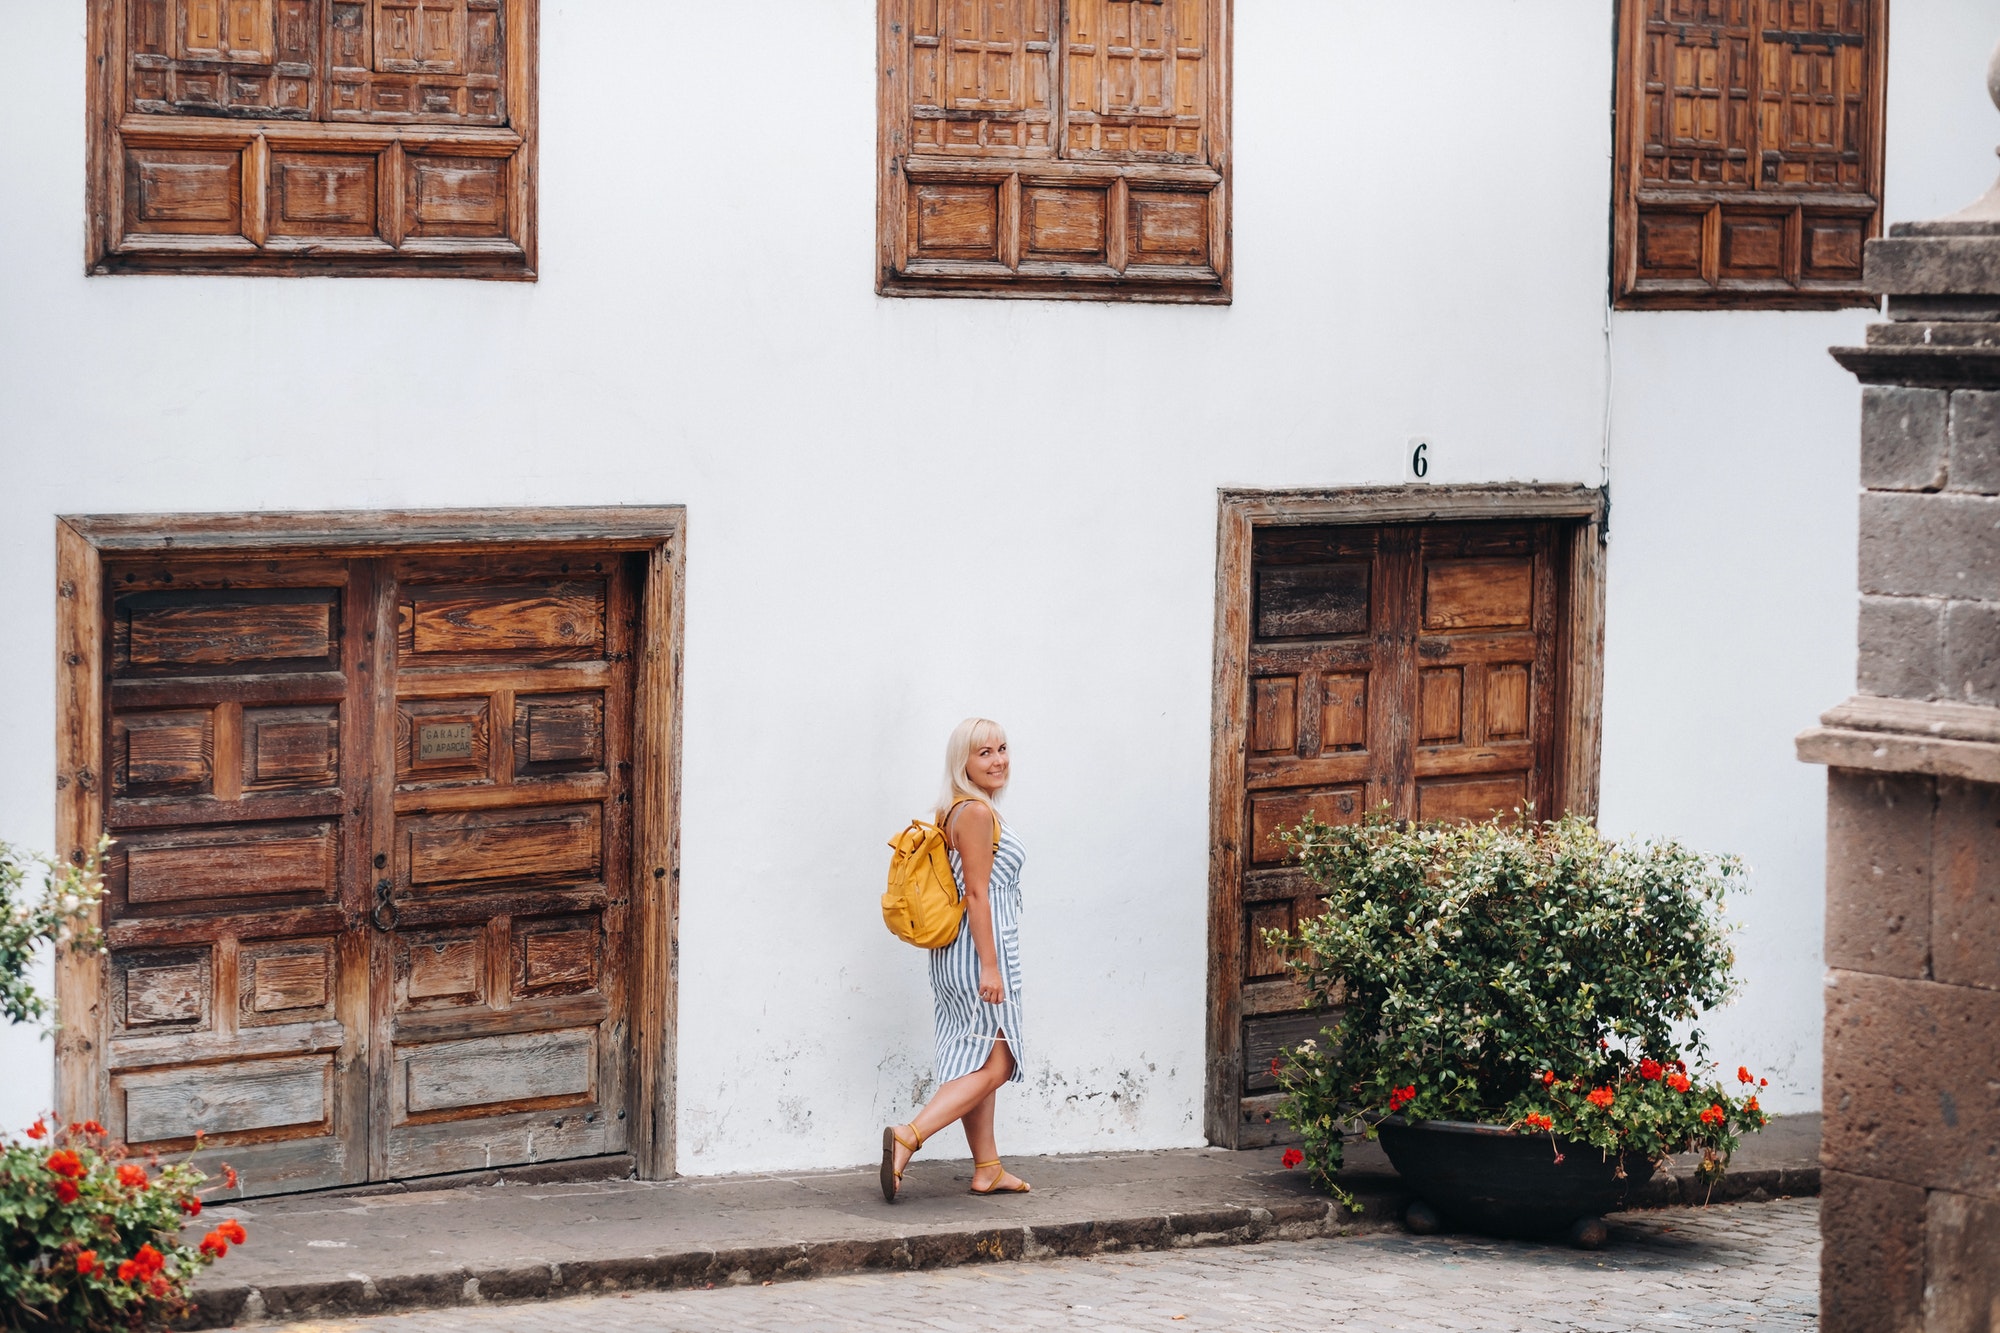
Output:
x=377 y=137
x=1019 y=160
x=1750 y=141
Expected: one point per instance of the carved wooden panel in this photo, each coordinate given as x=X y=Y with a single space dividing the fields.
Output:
x=1074 y=150
x=369 y=796
x=1750 y=150
x=504 y=986
x=1407 y=669
x=372 y=137
x=231 y=984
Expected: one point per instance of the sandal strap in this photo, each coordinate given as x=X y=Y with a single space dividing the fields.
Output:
x=895 y=1133
x=980 y=1166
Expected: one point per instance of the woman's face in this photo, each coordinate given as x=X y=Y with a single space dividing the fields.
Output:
x=988 y=766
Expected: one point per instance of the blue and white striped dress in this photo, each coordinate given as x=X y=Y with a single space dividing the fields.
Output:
x=966 y=1025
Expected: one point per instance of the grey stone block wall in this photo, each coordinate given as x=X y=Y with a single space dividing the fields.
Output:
x=1930 y=544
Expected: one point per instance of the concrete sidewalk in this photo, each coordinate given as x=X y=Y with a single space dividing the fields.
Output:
x=342 y=1254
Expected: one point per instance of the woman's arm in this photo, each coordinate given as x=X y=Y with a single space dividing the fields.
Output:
x=971 y=833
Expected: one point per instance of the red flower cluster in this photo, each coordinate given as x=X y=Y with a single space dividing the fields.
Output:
x=143 y=1266
x=1274 y=1067
x=1548 y=1077
x=233 y=1230
x=1293 y=1157
x=38 y=1130
x=63 y=1162
x=1743 y=1074
x=1751 y=1105
x=1714 y=1115
x=1401 y=1097
x=1651 y=1069
x=1536 y=1120
x=86 y=1263
x=87 y=1127
x=132 y=1177
x=191 y=1205
x=1602 y=1098
x=1679 y=1082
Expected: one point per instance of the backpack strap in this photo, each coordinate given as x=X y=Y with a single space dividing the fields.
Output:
x=945 y=823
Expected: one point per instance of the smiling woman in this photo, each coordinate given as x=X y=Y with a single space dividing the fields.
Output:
x=976 y=978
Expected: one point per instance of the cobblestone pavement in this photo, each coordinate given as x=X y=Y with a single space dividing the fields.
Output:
x=1741 y=1266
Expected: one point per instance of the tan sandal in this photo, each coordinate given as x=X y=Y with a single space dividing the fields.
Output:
x=892 y=1179
x=998 y=1188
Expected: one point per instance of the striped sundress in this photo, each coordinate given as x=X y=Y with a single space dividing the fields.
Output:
x=967 y=1025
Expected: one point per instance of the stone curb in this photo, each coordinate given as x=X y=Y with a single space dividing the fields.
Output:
x=223 y=1307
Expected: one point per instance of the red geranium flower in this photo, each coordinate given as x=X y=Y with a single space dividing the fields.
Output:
x=1763 y=1082
x=1743 y=1074
x=1536 y=1120
x=191 y=1205
x=160 y=1288
x=1714 y=1115
x=1602 y=1098
x=1751 y=1105
x=233 y=1229
x=229 y=1175
x=1274 y=1067
x=86 y=1263
x=65 y=1163
x=1679 y=1082
x=38 y=1130
x=1651 y=1069
x=1293 y=1157
x=213 y=1245
x=1548 y=1077
x=65 y=1192
x=1401 y=1097
x=145 y=1264
x=132 y=1176
x=92 y=1127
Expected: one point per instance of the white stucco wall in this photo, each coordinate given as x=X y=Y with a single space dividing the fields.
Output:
x=1421 y=240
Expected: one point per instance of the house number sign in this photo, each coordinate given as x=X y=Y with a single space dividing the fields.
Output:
x=452 y=741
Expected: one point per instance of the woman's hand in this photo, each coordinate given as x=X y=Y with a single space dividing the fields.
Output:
x=992 y=990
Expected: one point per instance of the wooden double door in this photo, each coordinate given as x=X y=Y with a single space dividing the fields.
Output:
x=368 y=906
x=1417 y=669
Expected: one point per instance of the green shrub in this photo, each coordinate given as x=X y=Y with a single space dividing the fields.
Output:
x=57 y=912
x=93 y=1240
x=1536 y=975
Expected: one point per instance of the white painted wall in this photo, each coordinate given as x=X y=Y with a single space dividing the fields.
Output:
x=1421 y=249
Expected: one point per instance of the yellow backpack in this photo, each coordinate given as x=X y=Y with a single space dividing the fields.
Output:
x=921 y=905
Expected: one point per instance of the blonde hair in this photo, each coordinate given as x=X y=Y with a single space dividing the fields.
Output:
x=965 y=737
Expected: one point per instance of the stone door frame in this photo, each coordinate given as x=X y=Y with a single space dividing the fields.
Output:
x=657 y=532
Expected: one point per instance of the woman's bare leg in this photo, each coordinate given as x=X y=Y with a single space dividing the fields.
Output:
x=959 y=1098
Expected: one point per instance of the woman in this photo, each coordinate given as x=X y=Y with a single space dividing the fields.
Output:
x=976 y=979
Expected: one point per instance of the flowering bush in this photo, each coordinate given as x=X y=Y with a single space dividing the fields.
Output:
x=1536 y=975
x=57 y=913
x=93 y=1241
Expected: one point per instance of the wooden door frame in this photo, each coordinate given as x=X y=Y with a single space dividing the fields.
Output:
x=1580 y=692
x=84 y=542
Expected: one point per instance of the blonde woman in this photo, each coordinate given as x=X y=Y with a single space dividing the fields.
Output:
x=976 y=979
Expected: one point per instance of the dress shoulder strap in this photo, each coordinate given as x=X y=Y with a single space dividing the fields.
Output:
x=945 y=823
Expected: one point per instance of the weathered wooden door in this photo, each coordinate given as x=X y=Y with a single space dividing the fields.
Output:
x=367 y=905
x=1411 y=668
x=500 y=862
x=237 y=1003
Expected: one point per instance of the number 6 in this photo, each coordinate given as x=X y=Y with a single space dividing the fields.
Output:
x=1420 y=463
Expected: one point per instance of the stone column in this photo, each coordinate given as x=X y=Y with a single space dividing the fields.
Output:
x=1911 y=1154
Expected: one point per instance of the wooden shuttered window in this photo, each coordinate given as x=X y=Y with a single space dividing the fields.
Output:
x=1749 y=151
x=1055 y=148
x=366 y=137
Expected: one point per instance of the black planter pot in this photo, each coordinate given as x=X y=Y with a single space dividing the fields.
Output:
x=1489 y=1179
